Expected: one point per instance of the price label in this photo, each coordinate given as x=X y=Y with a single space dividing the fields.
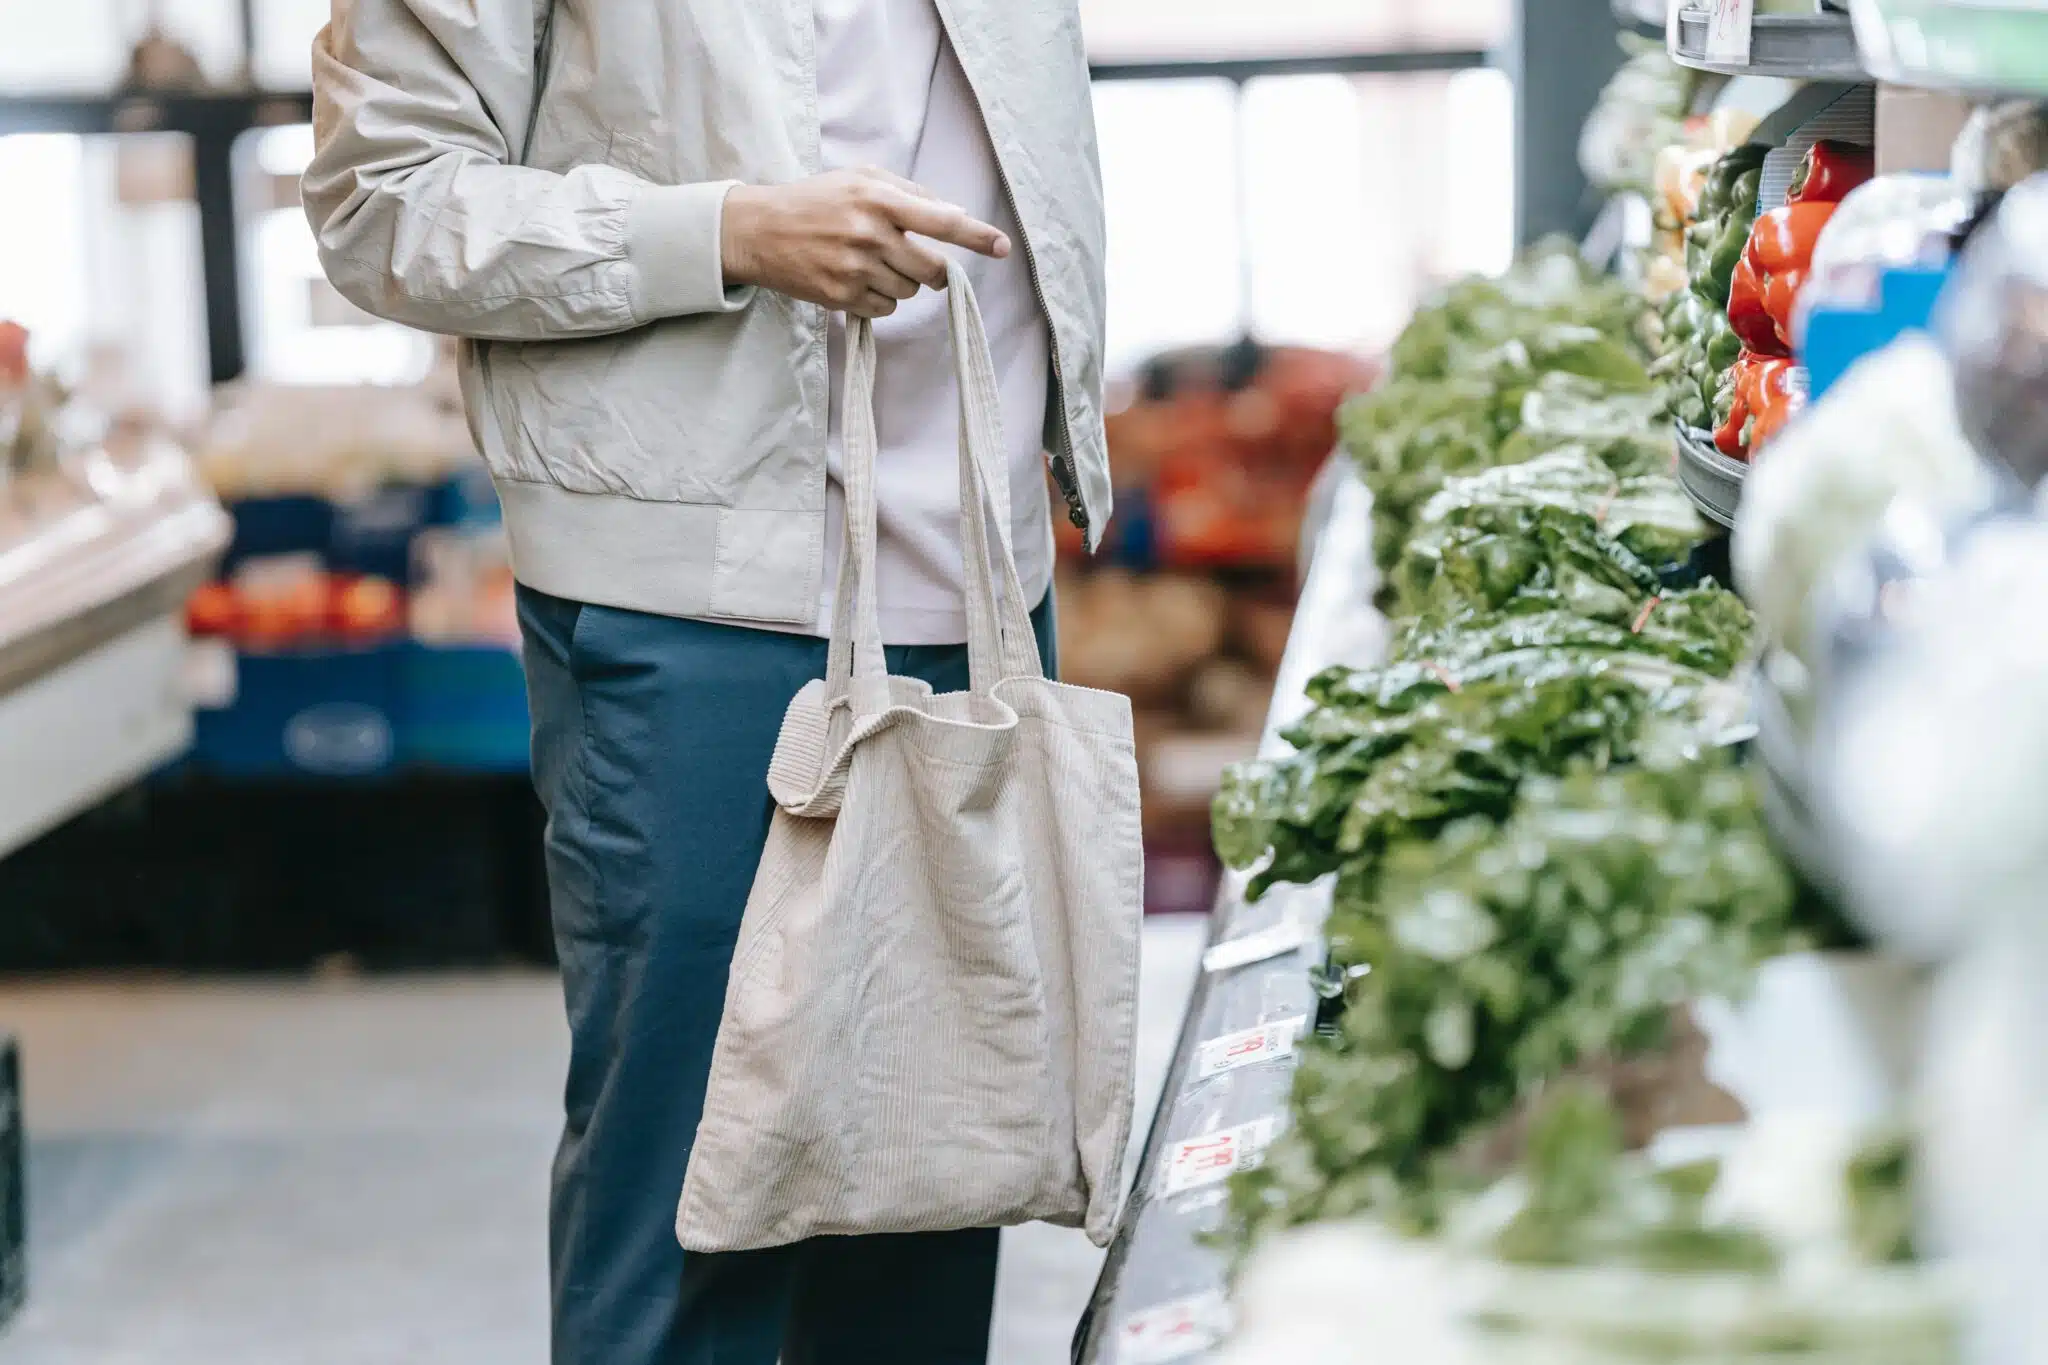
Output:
x=1173 y=1331
x=1284 y=937
x=1248 y=1047
x=1193 y=1163
x=1729 y=23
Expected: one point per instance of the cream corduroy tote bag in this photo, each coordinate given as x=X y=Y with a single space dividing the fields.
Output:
x=929 y=1019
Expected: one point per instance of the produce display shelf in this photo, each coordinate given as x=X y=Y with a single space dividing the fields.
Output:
x=1976 y=49
x=93 y=656
x=1710 y=479
x=1782 y=787
x=1161 y=1295
x=1804 y=47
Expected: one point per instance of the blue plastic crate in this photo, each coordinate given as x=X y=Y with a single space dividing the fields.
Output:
x=465 y=709
x=466 y=499
x=374 y=534
x=265 y=527
x=315 y=713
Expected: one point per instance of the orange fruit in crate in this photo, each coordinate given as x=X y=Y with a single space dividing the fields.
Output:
x=214 y=609
x=367 y=609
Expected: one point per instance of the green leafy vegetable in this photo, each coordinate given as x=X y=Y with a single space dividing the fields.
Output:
x=1705 y=628
x=1649 y=514
x=1461 y=375
x=1500 y=955
x=1485 y=556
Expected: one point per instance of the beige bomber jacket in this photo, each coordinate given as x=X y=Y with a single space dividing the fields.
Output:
x=545 y=178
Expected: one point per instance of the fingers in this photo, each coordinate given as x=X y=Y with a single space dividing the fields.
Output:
x=895 y=181
x=913 y=260
x=889 y=283
x=873 y=305
x=943 y=222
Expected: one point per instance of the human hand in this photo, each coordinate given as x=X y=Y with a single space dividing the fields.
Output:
x=841 y=239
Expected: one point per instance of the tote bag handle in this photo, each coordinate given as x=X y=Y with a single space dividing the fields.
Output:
x=1000 y=641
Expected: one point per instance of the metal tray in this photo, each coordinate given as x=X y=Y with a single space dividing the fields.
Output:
x=1710 y=479
x=1801 y=47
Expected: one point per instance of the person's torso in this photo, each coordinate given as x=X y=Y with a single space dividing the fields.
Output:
x=892 y=94
x=731 y=411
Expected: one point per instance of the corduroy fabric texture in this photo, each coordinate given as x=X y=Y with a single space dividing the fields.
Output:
x=929 y=1019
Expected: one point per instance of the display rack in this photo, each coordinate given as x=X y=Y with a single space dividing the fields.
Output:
x=1710 y=479
x=1161 y=1295
x=1803 y=47
x=92 y=648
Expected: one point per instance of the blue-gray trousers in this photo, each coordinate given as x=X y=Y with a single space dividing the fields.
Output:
x=651 y=741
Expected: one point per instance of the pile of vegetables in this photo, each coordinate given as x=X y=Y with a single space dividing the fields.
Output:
x=1699 y=345
x=1538 y=850
x=1502 y=956
x=1726 y=354
x=1549 y=336
x=1760 y=392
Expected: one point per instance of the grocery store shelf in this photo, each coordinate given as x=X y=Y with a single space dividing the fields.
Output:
x=1160 y=1280
x=79 y=733
x=1806 y=47
x=1975 y=48
x=1710 y=479
x=92 y=641
x=145 y=112
x=1393 y=62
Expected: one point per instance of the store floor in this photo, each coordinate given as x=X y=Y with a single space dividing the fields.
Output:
x=352 y=1172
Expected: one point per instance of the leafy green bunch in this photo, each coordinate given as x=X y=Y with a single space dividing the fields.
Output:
x=1497 y=956
x=1396 y=753
x=1647 y=514
x=1462 y=378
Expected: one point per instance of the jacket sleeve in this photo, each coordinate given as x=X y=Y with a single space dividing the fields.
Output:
x=420 y=110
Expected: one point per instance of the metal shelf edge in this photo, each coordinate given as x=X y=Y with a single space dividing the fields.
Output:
x=1156 y=1257
x=1790 y=47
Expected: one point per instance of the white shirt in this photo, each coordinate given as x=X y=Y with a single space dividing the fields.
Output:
x=892 y=94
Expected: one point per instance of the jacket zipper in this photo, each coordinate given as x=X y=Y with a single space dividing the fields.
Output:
x=1063 y=472
x=543 y=54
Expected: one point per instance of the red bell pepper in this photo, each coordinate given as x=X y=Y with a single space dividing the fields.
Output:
x=1830 y=171
x=1747 y=317
x=1764 y=401
x=1779 y=253
x=1778 y=399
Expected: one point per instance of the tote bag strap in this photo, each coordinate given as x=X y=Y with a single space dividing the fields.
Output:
x=855 y=667
x=1000 y=641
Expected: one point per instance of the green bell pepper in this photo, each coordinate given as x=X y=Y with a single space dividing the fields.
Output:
x=1718 y=195
x=1723 y=251
x=1722 y=345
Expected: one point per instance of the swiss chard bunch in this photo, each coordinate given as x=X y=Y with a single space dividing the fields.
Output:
x=1648 y=514
x=1705 y=628
x=1463 y=377
x=1490 y=557
x=1483 y=962
x=1397 y=753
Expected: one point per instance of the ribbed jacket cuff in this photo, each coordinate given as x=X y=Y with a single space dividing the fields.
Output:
x=673 y=240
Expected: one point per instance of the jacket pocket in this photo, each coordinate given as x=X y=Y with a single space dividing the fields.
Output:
x=502 y=454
